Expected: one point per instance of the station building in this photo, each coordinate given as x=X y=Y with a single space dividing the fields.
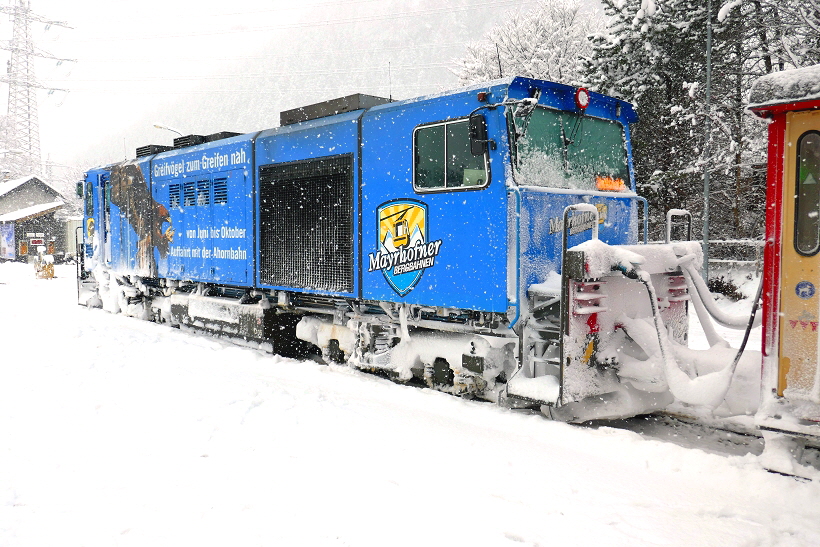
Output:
x=34 y=214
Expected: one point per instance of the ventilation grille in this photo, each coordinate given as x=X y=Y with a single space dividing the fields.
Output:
x=190 y=194
x=151 y=149
x=203 y=192
x=306 y=223
x=220 y=191
x=188 y=140
x=173 y=199
x=221 y=135
x=332 y=107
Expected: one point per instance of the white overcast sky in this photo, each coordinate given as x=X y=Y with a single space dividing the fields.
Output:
x=206 y=66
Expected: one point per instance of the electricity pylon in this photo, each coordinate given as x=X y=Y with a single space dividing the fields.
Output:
x=22 y=156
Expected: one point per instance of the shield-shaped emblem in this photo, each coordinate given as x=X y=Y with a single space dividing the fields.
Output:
x=402 y=229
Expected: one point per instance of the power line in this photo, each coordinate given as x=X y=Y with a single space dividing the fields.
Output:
x=247 y=75
x=311 y=54
x=290 y=26
x=255 y=91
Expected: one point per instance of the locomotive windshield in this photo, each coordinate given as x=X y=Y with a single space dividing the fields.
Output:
x=560 y=149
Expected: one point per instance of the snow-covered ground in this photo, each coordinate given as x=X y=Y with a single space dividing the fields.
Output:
x=118 y=432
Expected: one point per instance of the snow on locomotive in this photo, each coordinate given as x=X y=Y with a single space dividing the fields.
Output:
x=444 y=238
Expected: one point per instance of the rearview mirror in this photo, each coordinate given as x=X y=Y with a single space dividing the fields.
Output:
x=80 y=189
x=478 y=135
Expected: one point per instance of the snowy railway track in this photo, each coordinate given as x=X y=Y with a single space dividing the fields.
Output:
x=712 y=435
x=726 y=437
x=123 y=432
x=729 y=437
x=687 y=432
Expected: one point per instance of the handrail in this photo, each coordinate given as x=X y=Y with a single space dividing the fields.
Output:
x=672 y=213
x=518 y=295
x=565 y=282
x=79 y=253
x=643 y=201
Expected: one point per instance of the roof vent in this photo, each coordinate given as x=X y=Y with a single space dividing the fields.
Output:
x=151 y=149
x=221 y=135
x=332 y=107
x=188 y=140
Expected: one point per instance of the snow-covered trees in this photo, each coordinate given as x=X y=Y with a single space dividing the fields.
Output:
x=654 y=54
x=649 y=57
x=547 y=42
x=792 y=30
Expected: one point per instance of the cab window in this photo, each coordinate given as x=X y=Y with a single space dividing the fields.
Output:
x=89 y=199
x=560 y=149
x=807 y=195
x=107 y=186
x=442 y=158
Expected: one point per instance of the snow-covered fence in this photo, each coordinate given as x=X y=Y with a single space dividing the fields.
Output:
x=731 y=254
x=736 y=253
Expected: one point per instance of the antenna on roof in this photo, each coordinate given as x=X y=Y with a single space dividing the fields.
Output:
x=389 y=82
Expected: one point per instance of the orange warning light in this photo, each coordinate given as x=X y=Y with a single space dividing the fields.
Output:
x=609 y=184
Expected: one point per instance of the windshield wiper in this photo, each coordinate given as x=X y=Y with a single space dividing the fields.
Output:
x=568 y=140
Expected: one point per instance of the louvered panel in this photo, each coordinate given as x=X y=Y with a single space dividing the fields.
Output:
x=220 y=191
x=173 y=193
x=189 y=191
x=306 y=223
x=203 y=192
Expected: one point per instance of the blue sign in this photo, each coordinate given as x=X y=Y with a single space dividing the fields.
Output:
x=804 y=290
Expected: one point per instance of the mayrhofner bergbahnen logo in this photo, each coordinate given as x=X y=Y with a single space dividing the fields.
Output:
x=405 y=250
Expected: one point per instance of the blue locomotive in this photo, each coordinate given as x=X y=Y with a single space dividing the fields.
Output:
x=423 y=238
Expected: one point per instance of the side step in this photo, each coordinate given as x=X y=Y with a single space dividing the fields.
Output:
x=537 y=380
x=541 y=390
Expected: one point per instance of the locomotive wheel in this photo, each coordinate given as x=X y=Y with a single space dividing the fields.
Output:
x=335 y=353
x=442 y=375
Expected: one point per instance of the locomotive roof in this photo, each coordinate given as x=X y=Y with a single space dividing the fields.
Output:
x=560 y=96
x=787 y=86
x=564 y=94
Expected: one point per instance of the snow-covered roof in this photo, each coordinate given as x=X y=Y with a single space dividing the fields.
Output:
x=32 y=211
x=787 y=86
x=9 y=185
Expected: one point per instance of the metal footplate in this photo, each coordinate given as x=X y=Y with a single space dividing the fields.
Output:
x=537 y=379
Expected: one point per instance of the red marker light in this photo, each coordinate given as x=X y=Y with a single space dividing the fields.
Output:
x=582 y=98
